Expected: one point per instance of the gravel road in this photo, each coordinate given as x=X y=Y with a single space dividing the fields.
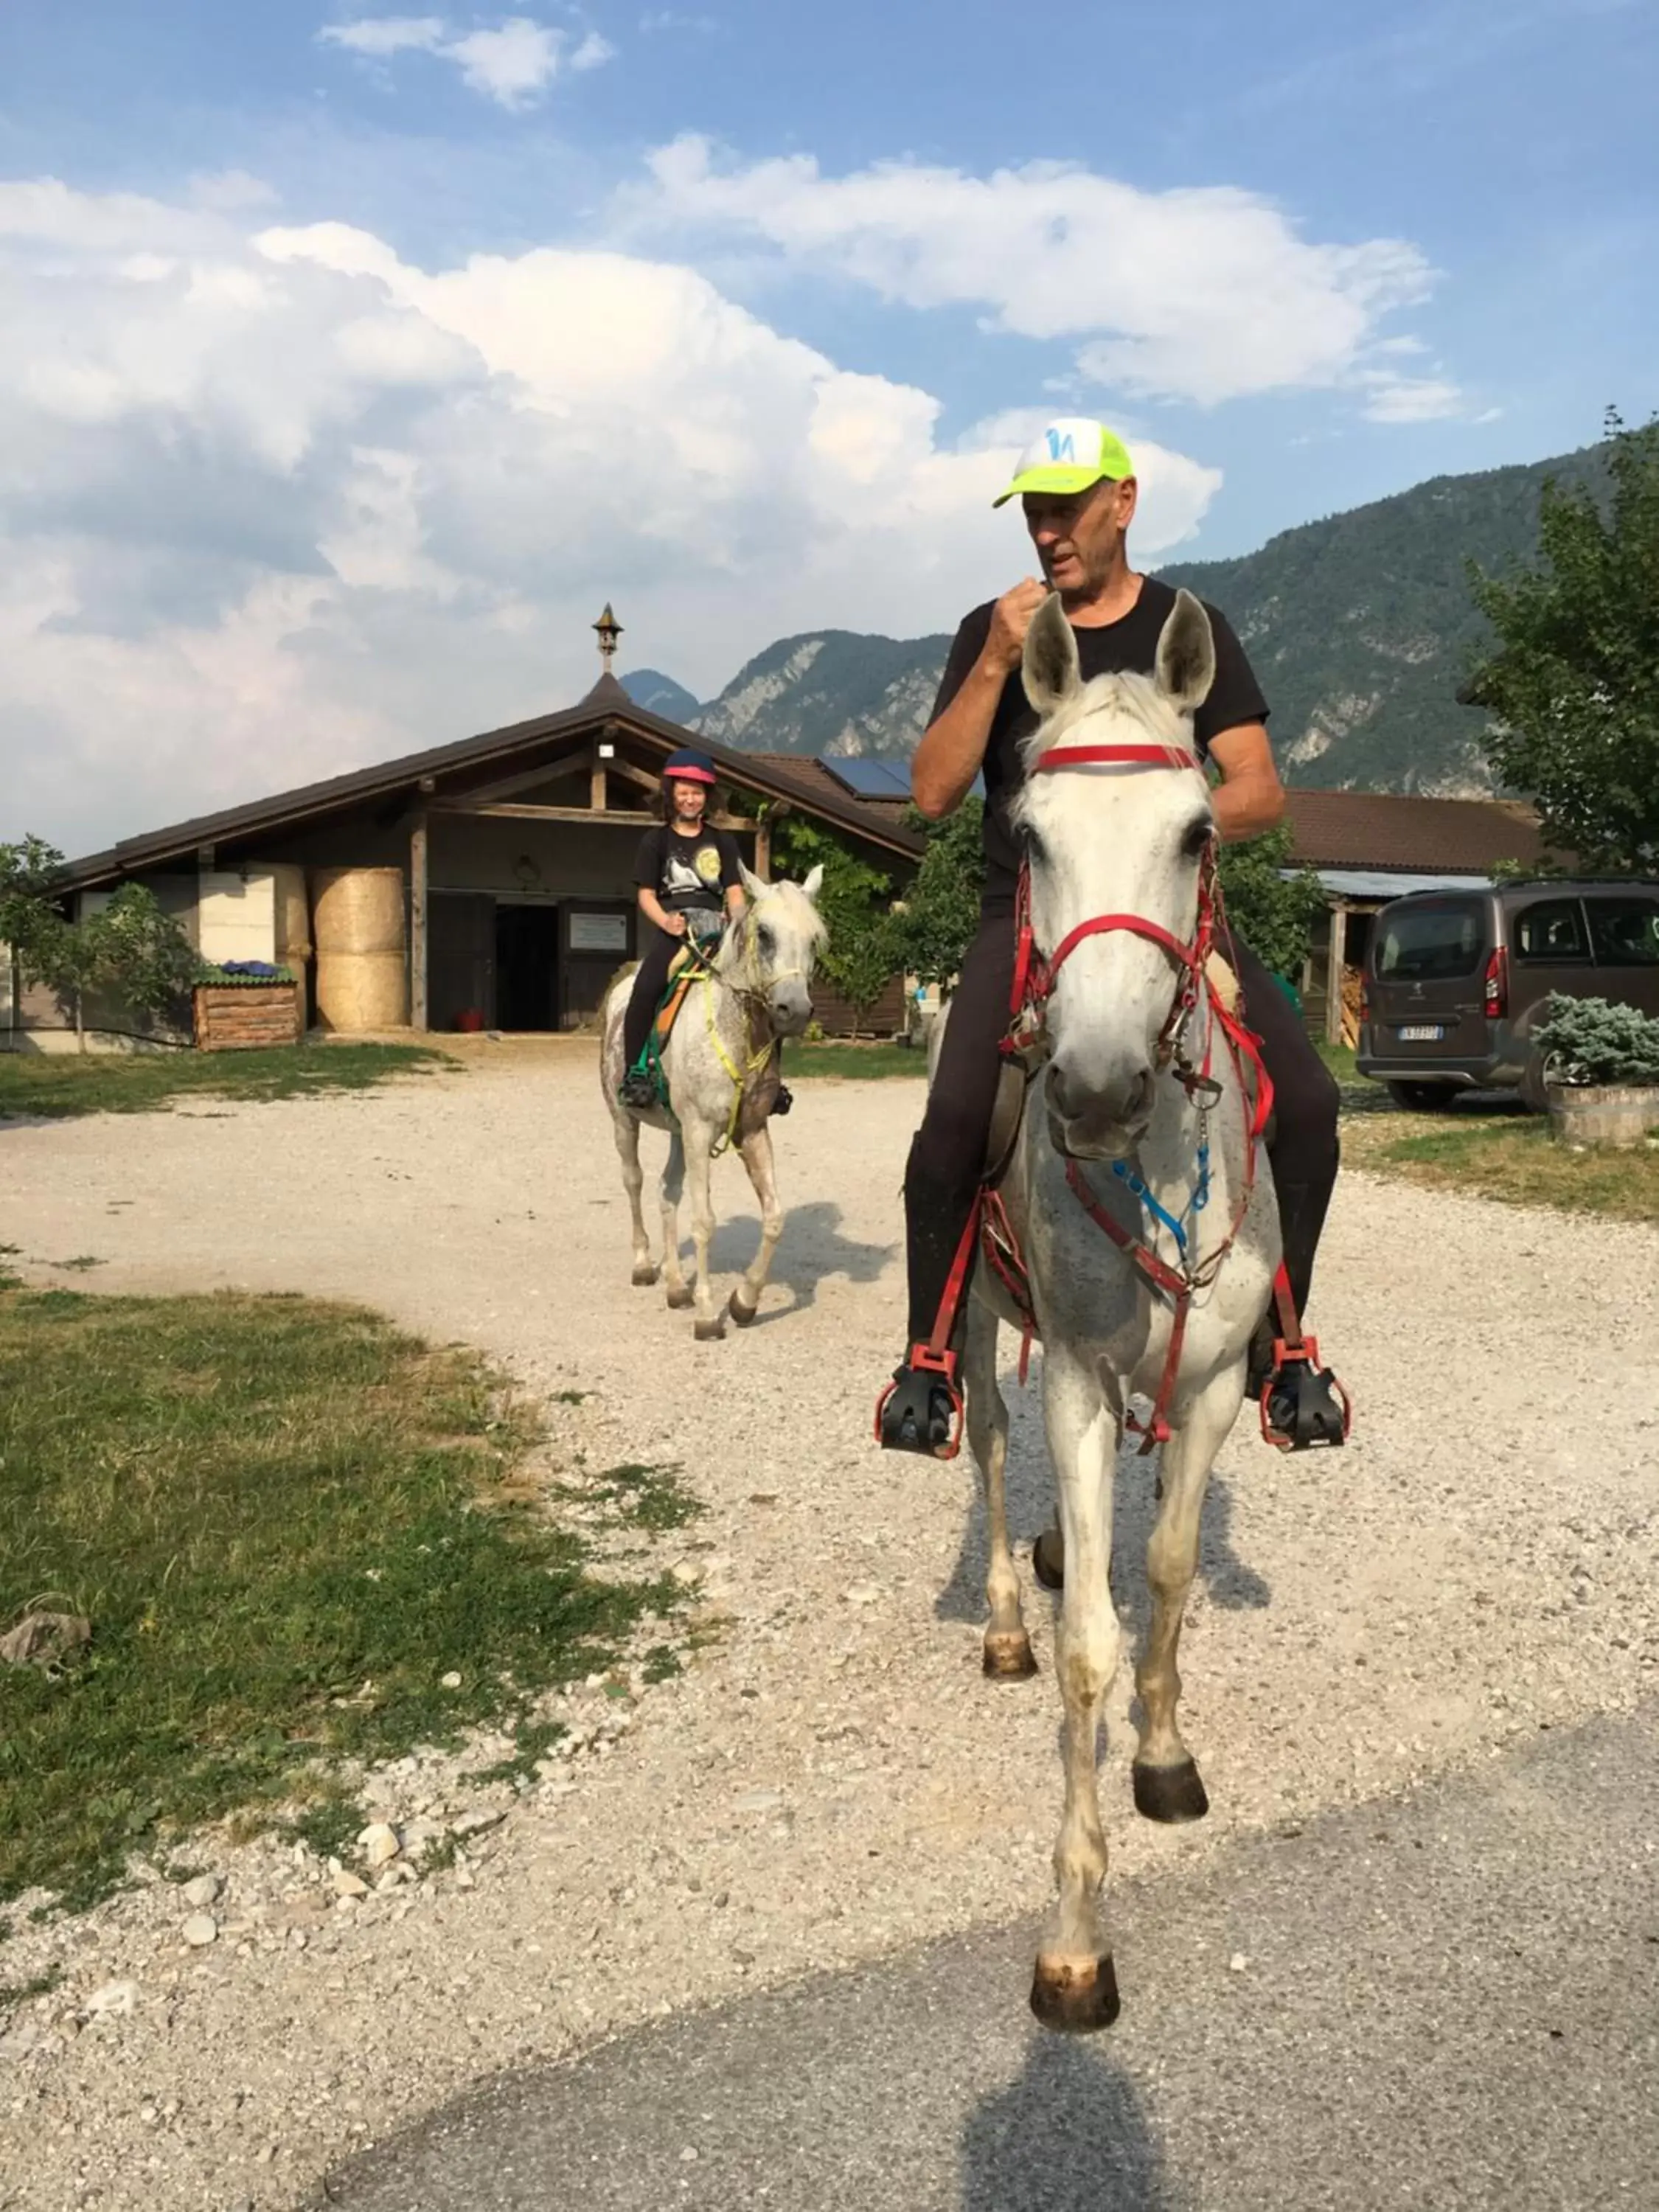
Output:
x=832 y=1782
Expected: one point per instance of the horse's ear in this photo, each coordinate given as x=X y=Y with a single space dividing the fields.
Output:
x=814 y=882
x=1050 y=663
x=752 y=883
x=1186 y=655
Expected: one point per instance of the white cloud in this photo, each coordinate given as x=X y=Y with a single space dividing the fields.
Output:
x=1391 y=399
x=513 y=64
x=381 y=36
x=278 y=502
x=1204 y=294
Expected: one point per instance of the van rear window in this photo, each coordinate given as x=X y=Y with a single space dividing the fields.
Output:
x=1425 y=943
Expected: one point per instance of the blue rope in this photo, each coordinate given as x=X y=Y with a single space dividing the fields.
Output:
x=1126 y=1174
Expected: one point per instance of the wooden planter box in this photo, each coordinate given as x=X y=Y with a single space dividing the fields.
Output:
x=240 y=1017
x=1603 y=1114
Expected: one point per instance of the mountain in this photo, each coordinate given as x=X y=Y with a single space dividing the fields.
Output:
x=660 y=694
x=835 y=692
x=1361 y=627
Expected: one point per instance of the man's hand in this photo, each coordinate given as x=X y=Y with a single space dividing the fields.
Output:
x=675 y=924
x=1010 y=617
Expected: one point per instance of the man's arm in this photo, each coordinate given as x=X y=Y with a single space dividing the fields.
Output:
x=952 y=748
x=1249 y=800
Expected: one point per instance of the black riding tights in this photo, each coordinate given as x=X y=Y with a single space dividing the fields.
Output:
x=948 y=1154
x=649 y=984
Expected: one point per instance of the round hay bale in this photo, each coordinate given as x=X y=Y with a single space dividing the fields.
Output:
x=294 y=946
x=358 y=992
x=357 y=910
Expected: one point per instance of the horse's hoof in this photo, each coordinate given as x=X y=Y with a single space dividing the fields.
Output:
x=743 y=1315
x=1170 y=1793
x=1075 y=1997
x=681 y=1297
x=710 y=1332
x=644 y=1275
x=1008 y=1656
x=1048 y=1560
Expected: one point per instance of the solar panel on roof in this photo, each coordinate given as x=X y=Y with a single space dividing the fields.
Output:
x=869 y=778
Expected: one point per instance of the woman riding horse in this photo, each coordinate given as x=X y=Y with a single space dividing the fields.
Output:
x=690 y=881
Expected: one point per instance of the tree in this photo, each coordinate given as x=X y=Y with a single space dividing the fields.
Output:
x=1274 y=915
x=1574 y=683
x=131 y=948
x=941 y=910
x=861 y=953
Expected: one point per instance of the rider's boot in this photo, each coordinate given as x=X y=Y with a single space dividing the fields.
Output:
x=921 y=1409
x=637 y=1092
x=1301 y=1403
x=782 y=1100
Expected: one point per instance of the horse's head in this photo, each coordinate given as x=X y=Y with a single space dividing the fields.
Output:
x=1112 y=845
x=775 y=945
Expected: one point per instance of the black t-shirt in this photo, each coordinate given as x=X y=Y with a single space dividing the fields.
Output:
x=688 y=871
x=1128 y=644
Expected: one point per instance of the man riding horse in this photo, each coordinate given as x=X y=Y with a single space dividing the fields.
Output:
x=1078 y=489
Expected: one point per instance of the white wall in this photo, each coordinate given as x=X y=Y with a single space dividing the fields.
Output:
x=236 y=914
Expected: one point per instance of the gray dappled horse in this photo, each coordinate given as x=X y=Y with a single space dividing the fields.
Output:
x=1120 y=852
x=722 y=1071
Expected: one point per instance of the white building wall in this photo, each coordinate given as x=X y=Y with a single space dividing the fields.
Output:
x=236 y=914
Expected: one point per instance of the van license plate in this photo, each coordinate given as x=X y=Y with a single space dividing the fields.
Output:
x=1424 y=1033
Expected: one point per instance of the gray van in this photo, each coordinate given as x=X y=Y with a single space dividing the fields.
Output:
x=1455 y=980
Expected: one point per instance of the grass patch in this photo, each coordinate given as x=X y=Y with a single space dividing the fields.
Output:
x=650 y=1498
x=1513 y=1158
x=835 y=1057
x=60 y=1084
x=286 y=1522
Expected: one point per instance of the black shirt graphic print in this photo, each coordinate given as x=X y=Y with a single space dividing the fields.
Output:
x=1130 y=644
x=688 y=871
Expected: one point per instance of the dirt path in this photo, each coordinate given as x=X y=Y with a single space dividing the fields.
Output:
x=833 y=1779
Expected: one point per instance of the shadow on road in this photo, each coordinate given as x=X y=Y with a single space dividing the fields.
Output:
x=1068 y=2135
x=812 y=1247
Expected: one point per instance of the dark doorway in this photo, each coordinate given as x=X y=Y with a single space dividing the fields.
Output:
x=461 y=960
x=526 y=967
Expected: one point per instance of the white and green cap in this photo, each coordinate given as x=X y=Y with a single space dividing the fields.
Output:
x=1067 y=457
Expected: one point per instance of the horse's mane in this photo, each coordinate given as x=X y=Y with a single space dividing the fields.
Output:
x=1136 y=696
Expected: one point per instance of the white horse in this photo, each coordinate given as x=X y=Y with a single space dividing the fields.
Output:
x=1120 y=1121
x=722 y=1075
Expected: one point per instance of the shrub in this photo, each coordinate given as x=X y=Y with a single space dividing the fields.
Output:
x=1588 y=1041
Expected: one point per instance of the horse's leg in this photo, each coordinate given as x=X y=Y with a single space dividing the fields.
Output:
x=626 y=1128
x=1008 y=1656
x=1166 y=1781
x=699 y=1141
x=1074 y=1986
x=758 y=1158
x=673 y=1189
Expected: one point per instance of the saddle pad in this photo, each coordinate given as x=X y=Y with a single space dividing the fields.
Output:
x=1223 y=981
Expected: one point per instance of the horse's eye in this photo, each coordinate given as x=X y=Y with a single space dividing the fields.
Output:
x=764 y=941
x=1037 y=851
x=1197 y=839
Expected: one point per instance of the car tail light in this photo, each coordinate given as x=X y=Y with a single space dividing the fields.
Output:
x=1364 y=1004
x=1496 y=995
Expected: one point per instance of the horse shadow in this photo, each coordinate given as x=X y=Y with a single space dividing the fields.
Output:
x=811 y=1249
x=1230 y=1581
x=1068 y=2134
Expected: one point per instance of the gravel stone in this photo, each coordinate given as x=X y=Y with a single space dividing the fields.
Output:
x=1513 y=1545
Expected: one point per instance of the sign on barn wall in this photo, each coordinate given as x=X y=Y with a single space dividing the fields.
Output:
x=599 y=932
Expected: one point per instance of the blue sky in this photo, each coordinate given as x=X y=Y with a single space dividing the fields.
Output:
x=354 y=352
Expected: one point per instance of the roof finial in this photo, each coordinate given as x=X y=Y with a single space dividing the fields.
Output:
x=609 y=630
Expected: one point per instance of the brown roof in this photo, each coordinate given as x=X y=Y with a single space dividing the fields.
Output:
x=607 y=705
x=819 y=778
x=1425 y=837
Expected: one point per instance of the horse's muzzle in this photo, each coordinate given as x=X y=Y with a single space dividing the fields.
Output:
x=791 y=1011
x=1100 y=1120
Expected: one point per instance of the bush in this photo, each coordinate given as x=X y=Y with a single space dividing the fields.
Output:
x=1588 y=1041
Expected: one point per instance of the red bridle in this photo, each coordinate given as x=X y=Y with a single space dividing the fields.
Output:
x=1034 y=975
